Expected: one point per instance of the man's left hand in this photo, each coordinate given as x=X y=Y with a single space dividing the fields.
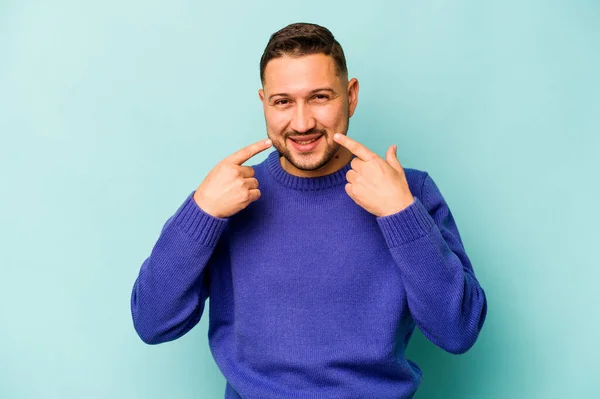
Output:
x=377 y=185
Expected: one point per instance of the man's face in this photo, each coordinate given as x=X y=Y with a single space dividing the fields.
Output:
x=303 y=98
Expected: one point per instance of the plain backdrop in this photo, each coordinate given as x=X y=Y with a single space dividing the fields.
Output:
x=112 y=112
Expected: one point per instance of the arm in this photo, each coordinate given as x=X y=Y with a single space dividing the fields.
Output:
x=444 y=297
x=168 y=296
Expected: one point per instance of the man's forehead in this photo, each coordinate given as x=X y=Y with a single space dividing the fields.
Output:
x=299 y=74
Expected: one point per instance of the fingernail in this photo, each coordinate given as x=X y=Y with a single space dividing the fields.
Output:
x=336 y=136
x=268 y=142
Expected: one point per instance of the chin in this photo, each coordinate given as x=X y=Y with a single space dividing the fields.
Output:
x=308 y=166
x=314 y=161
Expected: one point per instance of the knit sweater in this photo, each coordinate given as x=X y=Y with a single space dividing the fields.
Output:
x=311 y=296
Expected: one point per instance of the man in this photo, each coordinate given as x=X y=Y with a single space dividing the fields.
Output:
x=318 y=276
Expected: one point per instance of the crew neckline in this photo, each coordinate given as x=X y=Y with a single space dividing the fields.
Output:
x=305 y=183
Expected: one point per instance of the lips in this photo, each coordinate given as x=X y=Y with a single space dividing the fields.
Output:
x=305 y=137
x=309 y=147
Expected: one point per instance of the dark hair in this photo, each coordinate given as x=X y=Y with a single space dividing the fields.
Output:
x=298 y=39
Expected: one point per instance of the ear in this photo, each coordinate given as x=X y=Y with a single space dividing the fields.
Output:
x=261 y=95
x=352 y=96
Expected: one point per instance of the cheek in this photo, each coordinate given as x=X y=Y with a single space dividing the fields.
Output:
x=328 y=116
x=276 y=121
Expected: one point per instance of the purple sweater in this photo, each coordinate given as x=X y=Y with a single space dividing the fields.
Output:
x=311 y=296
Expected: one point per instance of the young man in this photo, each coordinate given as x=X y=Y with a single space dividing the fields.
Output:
x=317 y=278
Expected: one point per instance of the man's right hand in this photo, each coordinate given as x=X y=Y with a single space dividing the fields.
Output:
x=230 y=187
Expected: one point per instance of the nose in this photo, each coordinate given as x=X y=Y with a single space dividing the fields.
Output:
x=302 y=119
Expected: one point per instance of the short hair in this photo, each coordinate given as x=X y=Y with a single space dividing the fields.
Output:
x=299 y=39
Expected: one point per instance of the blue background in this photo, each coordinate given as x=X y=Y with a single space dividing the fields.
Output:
x=111 y=112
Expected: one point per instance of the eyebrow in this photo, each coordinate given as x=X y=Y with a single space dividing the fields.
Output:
x=329 y=89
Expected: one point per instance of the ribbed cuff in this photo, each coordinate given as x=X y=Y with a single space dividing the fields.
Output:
x=197 y=224
x=407 y=225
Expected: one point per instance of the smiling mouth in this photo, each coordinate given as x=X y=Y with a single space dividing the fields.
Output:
x=304 y=142
x=303 y=145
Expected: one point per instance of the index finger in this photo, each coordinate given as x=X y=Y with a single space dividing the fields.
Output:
x=355 y=147
x=241 y=156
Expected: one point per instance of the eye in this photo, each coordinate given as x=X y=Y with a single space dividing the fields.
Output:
x=321 y=97
x=282 y=101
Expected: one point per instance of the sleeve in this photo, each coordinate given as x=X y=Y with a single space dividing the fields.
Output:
x=444 y=297
x=168 y=295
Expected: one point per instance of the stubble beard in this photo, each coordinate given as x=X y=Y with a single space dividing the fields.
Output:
x=307 y=162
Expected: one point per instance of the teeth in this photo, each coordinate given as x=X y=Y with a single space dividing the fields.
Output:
x=307 y=142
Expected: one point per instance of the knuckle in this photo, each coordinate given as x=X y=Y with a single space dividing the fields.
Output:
x=229 y=171
x=249 y=171
x=246 y=196
x=220 y=166
x=348 y=188
x=247 y=153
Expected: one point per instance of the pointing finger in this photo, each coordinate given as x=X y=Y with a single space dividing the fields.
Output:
x=355 y=147
x=241 y=156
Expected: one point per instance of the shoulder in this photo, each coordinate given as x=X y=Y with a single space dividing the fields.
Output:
x=423 y=186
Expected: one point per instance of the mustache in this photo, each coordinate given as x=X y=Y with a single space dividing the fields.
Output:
x=306 y=133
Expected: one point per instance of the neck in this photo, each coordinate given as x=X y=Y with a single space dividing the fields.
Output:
x=339 y=160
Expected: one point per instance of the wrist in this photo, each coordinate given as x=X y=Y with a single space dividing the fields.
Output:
x=201 y=203
x=398 y=208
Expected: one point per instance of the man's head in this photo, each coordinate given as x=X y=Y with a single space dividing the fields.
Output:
x=306 y=93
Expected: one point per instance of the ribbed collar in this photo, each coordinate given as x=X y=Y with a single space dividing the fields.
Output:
x=305 y=183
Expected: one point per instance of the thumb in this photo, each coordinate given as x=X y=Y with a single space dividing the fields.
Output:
x=392 y=159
